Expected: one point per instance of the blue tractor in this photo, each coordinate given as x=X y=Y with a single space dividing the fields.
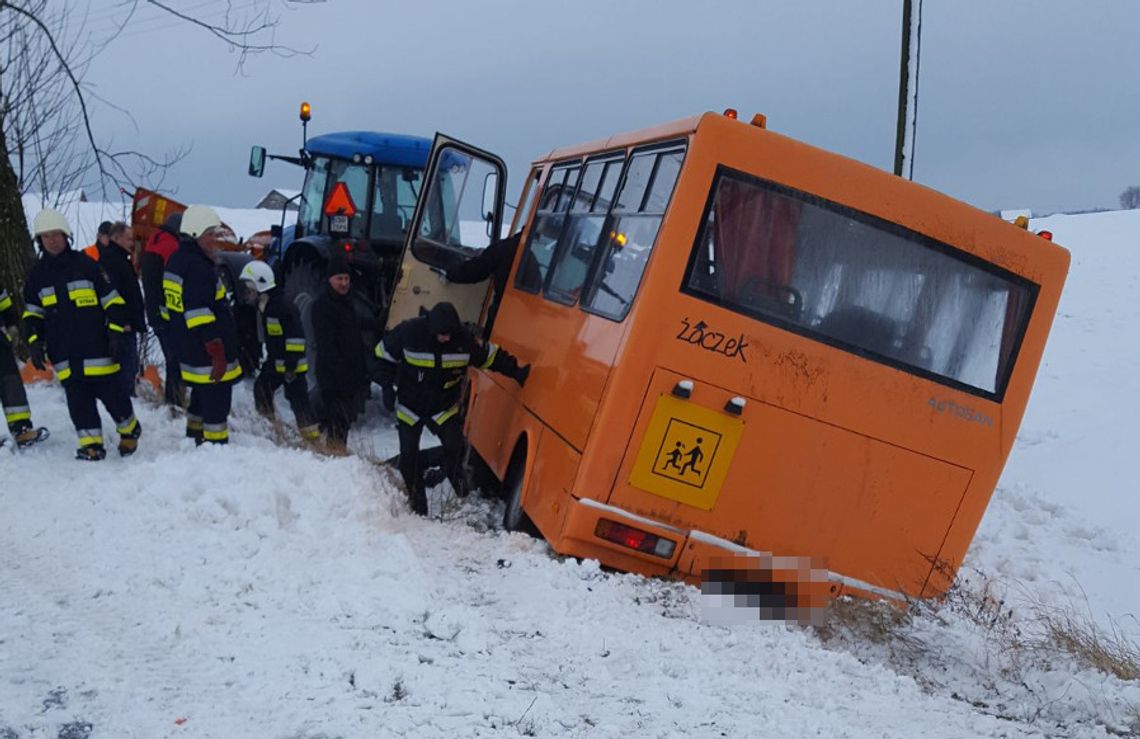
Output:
x=358 y=199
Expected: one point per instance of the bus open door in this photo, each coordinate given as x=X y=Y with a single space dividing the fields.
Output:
x=457 y=215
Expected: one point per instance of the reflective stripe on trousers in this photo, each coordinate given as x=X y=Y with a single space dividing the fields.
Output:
x=201 y=375
x=89 y=437
x=17 y=413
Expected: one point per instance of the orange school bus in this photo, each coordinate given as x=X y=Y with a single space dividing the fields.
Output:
x=743 y=344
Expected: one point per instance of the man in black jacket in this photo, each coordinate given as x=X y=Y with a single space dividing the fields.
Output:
x=342 y=374
x=73 y=318
x=423 y=363
x=115 y=261
x=203 y=326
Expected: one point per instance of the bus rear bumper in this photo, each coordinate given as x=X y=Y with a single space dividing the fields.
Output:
x=702 y=559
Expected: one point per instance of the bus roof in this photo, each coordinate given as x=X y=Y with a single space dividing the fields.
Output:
x=385 y=148
x=674 y=129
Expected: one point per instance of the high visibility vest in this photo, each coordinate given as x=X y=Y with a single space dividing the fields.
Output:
x=93 y=251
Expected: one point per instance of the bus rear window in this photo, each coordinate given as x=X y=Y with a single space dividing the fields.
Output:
x=859 y=283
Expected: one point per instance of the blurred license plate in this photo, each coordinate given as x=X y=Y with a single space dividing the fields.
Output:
x=338 y=224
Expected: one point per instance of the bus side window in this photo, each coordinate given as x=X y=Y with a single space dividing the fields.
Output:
x=583 y=231
x=858 y=282
x=547 y=228
x=632 y=229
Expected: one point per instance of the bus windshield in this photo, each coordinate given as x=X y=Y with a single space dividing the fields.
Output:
x=860 y=283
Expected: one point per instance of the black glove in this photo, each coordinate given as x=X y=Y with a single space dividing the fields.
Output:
x=114 y=344
x=388 y=393
x=36 y=355
x=521 y=374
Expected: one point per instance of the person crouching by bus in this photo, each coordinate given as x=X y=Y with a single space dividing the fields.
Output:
x=152 y=264
x=202 y=325
x=74 y=318
x=17 y=412
x=423 y=363
x=285 y=362
x=342 y=374
x=115 y=261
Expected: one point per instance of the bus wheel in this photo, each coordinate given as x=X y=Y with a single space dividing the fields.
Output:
x=514 y=517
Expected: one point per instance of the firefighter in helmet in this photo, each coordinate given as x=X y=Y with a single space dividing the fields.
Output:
x=285 y=362
x=202 y=325
x=75 y=320
x=423 y=362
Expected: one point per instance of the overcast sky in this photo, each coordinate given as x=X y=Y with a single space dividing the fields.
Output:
x=1021 y=104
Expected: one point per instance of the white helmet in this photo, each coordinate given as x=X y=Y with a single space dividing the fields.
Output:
x=198 y=219
x=50 y=219
x=260 y=274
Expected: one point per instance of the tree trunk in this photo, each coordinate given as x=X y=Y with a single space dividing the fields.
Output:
x=16 y=253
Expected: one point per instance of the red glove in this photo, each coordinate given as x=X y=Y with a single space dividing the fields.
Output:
x=217 y=354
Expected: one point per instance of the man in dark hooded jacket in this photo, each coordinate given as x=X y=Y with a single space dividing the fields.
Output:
x=342 y=373
x=423 y=363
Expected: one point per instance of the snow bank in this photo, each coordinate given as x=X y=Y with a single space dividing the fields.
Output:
x=259 y=590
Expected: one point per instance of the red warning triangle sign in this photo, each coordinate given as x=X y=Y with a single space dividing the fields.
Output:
x=340 y=202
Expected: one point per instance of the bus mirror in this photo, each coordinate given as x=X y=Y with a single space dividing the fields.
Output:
x=490 y=197
x=257 y=161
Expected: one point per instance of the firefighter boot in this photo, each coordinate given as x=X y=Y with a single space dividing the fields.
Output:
x=418 y=497
x=129 y=441
x=194 y=429
x=91 y=453
x=433 y=477
x=28 y=435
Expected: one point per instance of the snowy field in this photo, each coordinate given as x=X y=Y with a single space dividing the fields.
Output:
x=263 y=591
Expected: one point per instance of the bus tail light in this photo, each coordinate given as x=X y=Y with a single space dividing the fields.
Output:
x=627 y=536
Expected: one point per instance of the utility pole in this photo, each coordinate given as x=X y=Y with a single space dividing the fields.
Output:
x=904 y=90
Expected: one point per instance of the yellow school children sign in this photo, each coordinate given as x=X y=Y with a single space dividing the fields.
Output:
x=686 y=452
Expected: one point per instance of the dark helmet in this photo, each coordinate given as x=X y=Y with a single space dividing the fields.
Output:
x=444 y=319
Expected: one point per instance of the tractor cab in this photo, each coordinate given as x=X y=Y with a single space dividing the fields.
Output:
x=360 y=198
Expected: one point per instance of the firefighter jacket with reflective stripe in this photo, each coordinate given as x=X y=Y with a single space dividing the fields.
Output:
x=159 y=248
x=8 y=315
x=284 y=334
x=120 y=273
x=69 y=305
x=196 y=301
x=8 y=319
x=427 y=374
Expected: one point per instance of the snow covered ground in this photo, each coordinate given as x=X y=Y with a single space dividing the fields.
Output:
x=264 y=591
